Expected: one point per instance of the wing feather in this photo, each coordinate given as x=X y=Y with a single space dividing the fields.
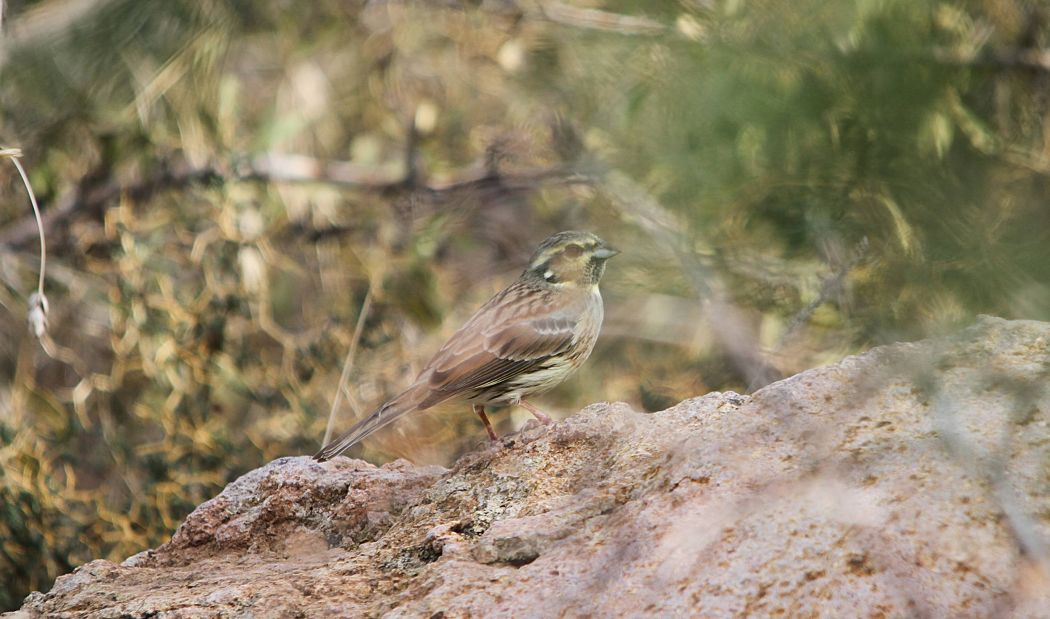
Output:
x=500 y=342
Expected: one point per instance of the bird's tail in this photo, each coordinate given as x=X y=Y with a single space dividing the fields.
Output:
x=385 y=414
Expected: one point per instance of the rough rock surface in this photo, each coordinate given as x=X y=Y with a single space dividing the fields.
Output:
x=913 y=480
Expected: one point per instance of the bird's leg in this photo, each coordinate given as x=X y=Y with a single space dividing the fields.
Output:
x=537 y=413
x=480 y=410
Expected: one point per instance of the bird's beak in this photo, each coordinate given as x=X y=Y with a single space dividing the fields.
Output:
x=604 y=253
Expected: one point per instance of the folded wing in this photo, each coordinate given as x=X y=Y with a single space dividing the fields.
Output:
x=498 y=354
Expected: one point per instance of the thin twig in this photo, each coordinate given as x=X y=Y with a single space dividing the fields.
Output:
x=595 y=19
x=39 y=223
x=348 y=364
x=38 y=306
x=1025 y=532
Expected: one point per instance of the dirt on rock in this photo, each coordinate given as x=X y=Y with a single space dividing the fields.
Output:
x=913 y=480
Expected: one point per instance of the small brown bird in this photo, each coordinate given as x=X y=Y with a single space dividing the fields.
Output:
x=524 y=341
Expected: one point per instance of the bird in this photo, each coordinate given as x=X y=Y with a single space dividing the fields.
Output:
x=524 y=341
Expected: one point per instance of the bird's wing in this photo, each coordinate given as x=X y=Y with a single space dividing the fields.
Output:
x=500 y=342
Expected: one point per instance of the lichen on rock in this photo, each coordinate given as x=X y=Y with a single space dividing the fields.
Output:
x=910 y=480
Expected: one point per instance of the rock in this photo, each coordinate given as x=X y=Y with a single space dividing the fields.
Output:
x=908 y=481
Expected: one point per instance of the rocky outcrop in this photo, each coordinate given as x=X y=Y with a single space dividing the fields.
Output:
x=913 y=480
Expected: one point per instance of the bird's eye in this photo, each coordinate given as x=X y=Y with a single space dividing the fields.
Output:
x=573 y=251
x=550 y=276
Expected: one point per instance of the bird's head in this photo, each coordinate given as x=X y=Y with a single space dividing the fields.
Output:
x=570 y=259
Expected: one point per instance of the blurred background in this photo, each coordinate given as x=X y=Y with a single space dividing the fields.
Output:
x=245 y=200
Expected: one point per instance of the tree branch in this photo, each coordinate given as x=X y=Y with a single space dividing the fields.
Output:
x=91 y=196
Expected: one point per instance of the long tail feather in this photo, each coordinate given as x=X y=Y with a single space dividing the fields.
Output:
x=385 y=414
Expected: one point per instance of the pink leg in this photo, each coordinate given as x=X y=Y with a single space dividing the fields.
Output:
x=537 y=413
x=480 y=410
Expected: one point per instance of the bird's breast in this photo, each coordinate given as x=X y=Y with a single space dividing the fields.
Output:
x=588 y=326
x=559 y=367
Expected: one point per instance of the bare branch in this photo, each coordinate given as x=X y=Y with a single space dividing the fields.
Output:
x=735 y=337
x=594 y=19
x=91 y=197
x=291 y=168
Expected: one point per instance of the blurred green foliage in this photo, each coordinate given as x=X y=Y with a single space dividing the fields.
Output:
x=825 y=175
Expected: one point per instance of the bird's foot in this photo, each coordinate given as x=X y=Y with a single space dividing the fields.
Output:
x=537 y=413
